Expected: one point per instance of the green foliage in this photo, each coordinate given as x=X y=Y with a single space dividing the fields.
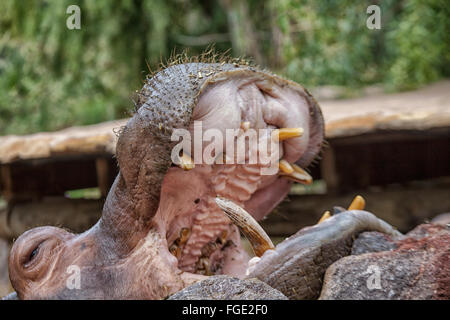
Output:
x=52 y=77
x=419 y=44
x=327 y=42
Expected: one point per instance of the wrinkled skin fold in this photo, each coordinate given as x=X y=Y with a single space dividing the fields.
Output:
x=161 y=229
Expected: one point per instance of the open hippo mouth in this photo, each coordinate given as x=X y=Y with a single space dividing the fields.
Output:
x=201 y=238
x=161 y=228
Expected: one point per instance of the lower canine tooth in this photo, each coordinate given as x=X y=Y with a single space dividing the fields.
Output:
x=256 y=235
x=287 y=133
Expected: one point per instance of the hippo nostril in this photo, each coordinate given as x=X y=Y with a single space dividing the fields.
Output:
x=33 y=254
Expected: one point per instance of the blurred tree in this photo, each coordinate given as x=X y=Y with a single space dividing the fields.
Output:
x=52 y=77
x=243 y=36
x=418 y=44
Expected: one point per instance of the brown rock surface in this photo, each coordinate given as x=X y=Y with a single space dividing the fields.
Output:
x=418 y=268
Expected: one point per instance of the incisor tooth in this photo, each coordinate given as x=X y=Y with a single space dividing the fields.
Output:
x=286 y=133
x=325 y=216
x=186 y=162
x=302 y=174
x=245 y=125
x=285 y=166
x=209 y=248
x=204 y=265
x=358 y=203
x=298 y=175
x=300 y=170
x=222 y=238
x=256 y=235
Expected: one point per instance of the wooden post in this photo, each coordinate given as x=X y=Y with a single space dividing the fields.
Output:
x=6 y=181
x=328 y=170
x=102 y=167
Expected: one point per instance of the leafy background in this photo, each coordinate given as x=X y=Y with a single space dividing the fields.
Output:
x=52 y=77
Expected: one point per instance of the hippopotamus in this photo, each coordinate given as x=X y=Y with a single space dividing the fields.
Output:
x=168 y=223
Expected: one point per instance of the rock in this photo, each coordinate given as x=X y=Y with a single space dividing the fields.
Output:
x=417 y=268
x=372 y=242
x=228 y=288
